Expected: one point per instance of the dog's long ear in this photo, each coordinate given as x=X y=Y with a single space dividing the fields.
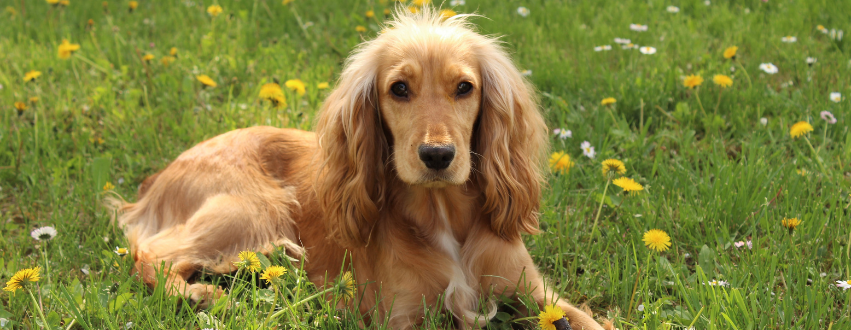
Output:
x=350 y=182
x=511 y=139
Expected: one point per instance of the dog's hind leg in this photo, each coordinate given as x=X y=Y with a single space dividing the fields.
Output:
x=211 y=238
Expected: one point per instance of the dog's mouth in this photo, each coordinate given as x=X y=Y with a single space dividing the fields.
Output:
x=436 y=179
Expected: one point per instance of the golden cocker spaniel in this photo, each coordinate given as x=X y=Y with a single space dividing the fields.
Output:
x=426 y=167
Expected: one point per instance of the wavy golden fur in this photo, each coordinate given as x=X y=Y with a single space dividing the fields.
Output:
x=426 y=166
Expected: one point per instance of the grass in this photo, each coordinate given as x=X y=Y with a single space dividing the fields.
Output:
x=714 y=175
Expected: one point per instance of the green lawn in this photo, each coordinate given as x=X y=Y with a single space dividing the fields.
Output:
x=718 y=164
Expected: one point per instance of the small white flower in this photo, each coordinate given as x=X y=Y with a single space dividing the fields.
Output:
x=673 y=9
x=750 y=245
x=687 y=255
x=647 y=50
x=747 y=10
x=739 y=244
x=602 y=48
x=637 y=215
x=641 y=308
x=44 y=233
x=3 y=322
x=828 y=117
x=836 y=97
x=557 y=130
x=85 y=269
x=768 y=68
x=120 y=180
x=811 y=60
x=763 y=121
x=454 y=3
x=1 y=86
x=622 y=41
x=707 y=2
x=638 y=27
x=120 y=251
x=565 y=133
x=789 y=39
x=128 y=325
x=733 y=68
x=844 y=285
x=822 y=274
x=629 y=46
x=588 y=150
x=526 y=73
x=523 y=11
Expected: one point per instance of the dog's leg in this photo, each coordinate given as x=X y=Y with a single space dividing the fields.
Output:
x=507 y=268
x=211 y=238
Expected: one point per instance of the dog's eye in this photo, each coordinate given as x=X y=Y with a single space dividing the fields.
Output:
x=399 y=89
x=464 y=88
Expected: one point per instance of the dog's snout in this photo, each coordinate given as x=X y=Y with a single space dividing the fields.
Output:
x=436 y=157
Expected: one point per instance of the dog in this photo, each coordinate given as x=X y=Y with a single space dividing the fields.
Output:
x=425 y=168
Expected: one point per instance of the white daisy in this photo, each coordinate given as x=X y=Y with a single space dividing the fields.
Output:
x=120 y=251
x=622 y=41
x=526 y=73
x=523 y=11
x=768 y=68
x=629 y=46
x=602 y=48
x=641 y=307
x=673 y=9
x=565 y=133
x=44 y=233
x=454 y=3
x=836 y=97
x=789 y=39
x=647 y=50
x=811 y=60
x=638 y=27
x=587 y=149
x=557 y=130
x=763 y=121
x=844 y=285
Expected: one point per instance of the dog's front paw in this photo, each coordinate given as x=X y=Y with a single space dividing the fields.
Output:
x=203 y=295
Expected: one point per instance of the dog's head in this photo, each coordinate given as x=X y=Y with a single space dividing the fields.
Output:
x=437 y=105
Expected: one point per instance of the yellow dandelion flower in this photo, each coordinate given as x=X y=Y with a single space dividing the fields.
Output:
x=447 y=13
x=32 y=75
x=173 y=51
x=148 y=57
x=20 y=106
x=347 y=286
x=64 y=3
x=386 y=11
x=722 y=80
x=790 y=224
x=421 y=2
x=800 y=128
x=66 y=48
x=21 y=277
x=370 y=14
x=296 y=85
x=613 y=166
x=53 y=2
x=206 y=80
x=273 y=273
x=560 y=162
x=286 y=2
x=167 y=60
x=413 y=10
x=90 y=22
x=104 y=4
x=802 y=172
x=608 y=100
x=34 y=99
x=131 y=4
x=693 y=81
x=108 y=186
x=550 y=314
x=360 y=28
x=656 y=239
x=628 y=185
x=248 y=260
x=214 y=10
x=273 y=93
x=120 y=251
x=322 y=85
x=730 y=52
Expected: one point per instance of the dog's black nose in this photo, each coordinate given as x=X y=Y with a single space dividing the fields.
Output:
x=436 y=157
